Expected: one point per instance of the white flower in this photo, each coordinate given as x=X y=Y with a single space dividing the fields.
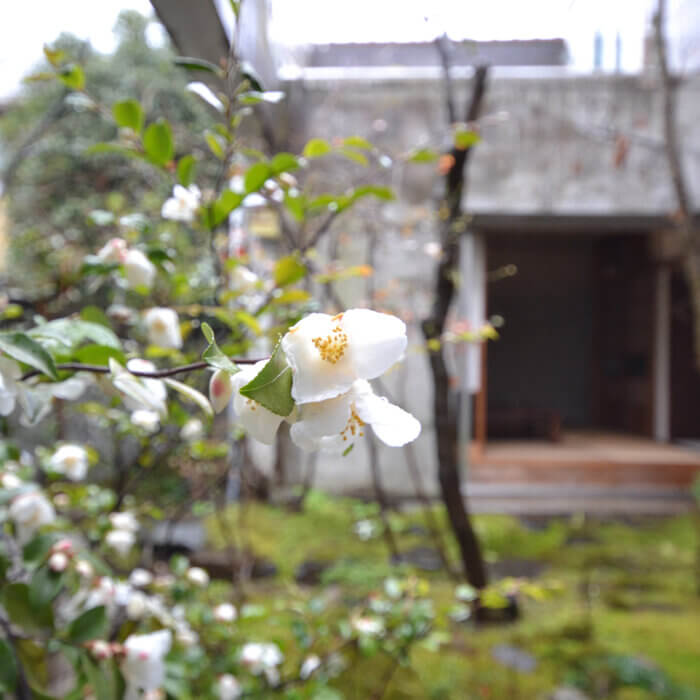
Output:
x=193 y=429
x=143 y=666
x=136 y=605
x=220 y=389
x=311 y=664
x=328 y=353
x=138 y=269
x=258 y=421
x=84 y=568
x=243 y=279
x=100 y=649
x=10 y=374
x=206 y=93
x=163 y=328
x=365 y=529
x=140 y=578
x=258 y=658
x=149 y=421
x=114 y=251
x=30 y=511
x=121 y=541
x=225 y=613
x=58 y=562
x=183 y=205
x=368 y=626
x=70 y=460
x=124 y=521
x=334 y=424
x=139 y=392
x=10 y=481
x=197 y=576
x=228 y=687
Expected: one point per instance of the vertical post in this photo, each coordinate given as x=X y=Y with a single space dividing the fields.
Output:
x=662 y=354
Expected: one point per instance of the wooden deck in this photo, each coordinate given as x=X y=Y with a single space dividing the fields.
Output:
x=584 y=458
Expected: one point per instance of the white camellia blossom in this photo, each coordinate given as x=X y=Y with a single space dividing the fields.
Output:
x=368 y=626
x=149 y=421
x=197 y=576
x=243 y=279
x=138 y=269
x=70 y=460
x=136 y=605
x=183 y=205
x=139 y=392
x=30 y=511
x=163 y=328
x=225 y=613
x=259 y=422
x=228 y=687
x=114 y=251
x=220 y=389
x=193 y=429
x=333 y=425
x=10 y=374
x=262 y=659
x=124 y=521
x=121 y=541
x=140 y=578
x=143 y=666
x=311 y=664
x=10 y=481
x=328 y=353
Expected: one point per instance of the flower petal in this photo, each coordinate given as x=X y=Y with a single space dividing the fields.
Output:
x=316 y=378
x=377 y=341
x=391 y=424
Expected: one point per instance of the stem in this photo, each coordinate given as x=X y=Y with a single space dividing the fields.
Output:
x=155 y=374
x=382 y=500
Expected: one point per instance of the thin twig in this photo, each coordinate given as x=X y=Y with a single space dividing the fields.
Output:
x=155 y=374
x=382 y=500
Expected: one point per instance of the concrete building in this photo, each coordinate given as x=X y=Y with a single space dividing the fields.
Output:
x=572 y=225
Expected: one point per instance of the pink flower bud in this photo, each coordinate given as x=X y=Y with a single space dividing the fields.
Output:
x=220 y=390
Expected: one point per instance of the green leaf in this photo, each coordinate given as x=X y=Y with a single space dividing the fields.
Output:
x=249 y=73
x=38 y=547
x=99 y=148
x=8 y=668
x=21 y=611
x=94 y=314
x=358 y=142
x=21 y=347
x=214 y=143
x=465 y=138
x=248 y=320
x=292 y=296
x=295 y=205
x=45 y=586
x=213 y=355
x=422 y=155
x=185 y=170
x=94 y=354
x=101 y=677
x=54 y=56
x=255 y=177
x=272 y=387
x=74 y=332
x=192 y=395
x=253 y=97
x=92 y=624
x=288 y=270
x=284 y=163
x=158 y=143
x=316 y=147
x=378 y=191
x=356 y=156
x=198 y=64
x=72 y=76
x=222 y=207
x=128 y=114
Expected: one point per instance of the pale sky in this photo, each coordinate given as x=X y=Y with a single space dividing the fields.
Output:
x=28 y=25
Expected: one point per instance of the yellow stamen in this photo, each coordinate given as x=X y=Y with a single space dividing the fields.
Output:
x=332 y=347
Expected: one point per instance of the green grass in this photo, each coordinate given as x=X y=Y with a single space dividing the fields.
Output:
x=629 y=600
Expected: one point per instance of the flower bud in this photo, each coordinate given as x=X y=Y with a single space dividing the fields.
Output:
x=225 y=612
x=220 y=390
x=100 y=649
x=197 y=576
x=58 y=562
x=84 y=568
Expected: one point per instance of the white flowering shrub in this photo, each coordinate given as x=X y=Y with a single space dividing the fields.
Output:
x=174 y=333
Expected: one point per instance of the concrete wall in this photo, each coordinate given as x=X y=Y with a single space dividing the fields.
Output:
x=552 y=144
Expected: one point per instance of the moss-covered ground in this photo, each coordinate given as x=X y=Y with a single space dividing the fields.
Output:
x=625 y=624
